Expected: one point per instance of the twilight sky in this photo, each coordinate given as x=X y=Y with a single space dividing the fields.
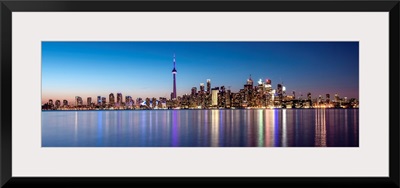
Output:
x=143 y=69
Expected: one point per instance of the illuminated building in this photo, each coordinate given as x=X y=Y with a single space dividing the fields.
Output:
x=221 y=97
x=260 y=83
x=78 y=101
x=283 y=90
x=261 y=95
x=268 y=81
x=99 y=100
x=250 y=81
x=201 y=88
x=222 y=89
x=173 y=95
x=214 y=96
x=148 y=102
x=139 y=102
x=88 y=101
x=337 y=99
x=153 y=102
x=249 y=84
x=279 y=91
x=111 y=99
x=228 y=98
x=128 y=101
x=328 y=98
x=119 y=99
x=194 y=91
x=103 y=101
x=65 y=103
x=208 y=86
x=58 y=103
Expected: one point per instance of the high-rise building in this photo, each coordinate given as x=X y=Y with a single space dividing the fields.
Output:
x=173 y=96
x=279 y=89
x=208 y=86
x=99 y=100
x=51 y=102
x=228 y=98
x=58 y=103
x=111 y=99
x=119 y=99
x=214 y=96
x=88 y=101
x=201 y=88
x=337 y=99
x=328 y=98
x=194 y=91
x=65 y=103
x=249 y=84
x=283 y=90
x=78 y=101
x=309 y=96
x=103 y=101
x=128 y=101
x=260 y=83
x=268 y=81
x=250 y=81
x=153 y=102
x=222 y=89
x=139 y=102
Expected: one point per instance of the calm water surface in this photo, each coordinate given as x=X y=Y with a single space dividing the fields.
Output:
x=202 y=128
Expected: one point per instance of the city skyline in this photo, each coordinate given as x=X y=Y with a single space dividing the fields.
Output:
x=143 y=69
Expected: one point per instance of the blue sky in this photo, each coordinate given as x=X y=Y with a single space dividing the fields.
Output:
x=143 y=69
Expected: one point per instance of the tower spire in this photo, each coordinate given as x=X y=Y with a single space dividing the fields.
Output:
x=174 y=60
x=173 y=94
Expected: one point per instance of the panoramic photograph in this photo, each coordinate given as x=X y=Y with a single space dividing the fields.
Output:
x=199 y=94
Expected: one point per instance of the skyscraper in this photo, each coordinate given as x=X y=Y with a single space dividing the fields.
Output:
x=279 y=89
x=250 y=81
x=103 y=101
x=328 y=98
x=58 y=103
x=208 y=86
x=194 y=91
x=173 y=96
x=128 y=101
x=214 y=95
x=89 y=101
x=99 y=100
x=249 y=84
x=65 y=103
x=78 y=101
x=119 y=99
x=111 y=99
x=201 y=88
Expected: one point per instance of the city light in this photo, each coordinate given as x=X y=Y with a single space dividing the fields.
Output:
x=217 y=98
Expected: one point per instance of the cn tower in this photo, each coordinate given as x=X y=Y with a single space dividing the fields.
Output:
x=174 y=76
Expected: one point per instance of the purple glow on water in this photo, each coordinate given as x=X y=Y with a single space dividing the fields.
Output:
x=201 y=128
x=174 y=128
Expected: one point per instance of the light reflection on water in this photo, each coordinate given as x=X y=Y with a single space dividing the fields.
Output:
x=201 y=128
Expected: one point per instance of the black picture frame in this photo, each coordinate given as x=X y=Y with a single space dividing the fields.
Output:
x=7 y=7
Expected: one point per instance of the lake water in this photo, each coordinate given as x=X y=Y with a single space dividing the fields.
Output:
x=202 y=128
